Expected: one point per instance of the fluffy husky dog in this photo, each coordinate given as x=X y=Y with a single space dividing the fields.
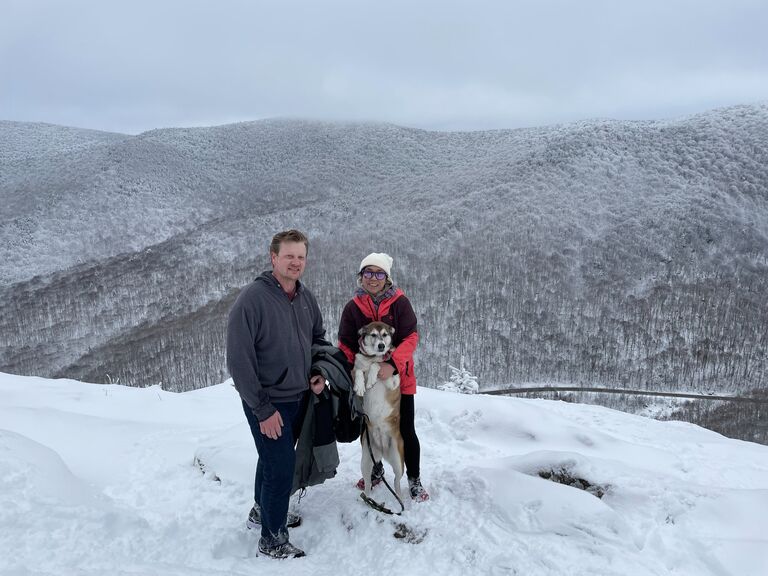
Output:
x=381 y=403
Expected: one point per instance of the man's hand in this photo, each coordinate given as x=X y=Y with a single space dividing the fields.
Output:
x=272 y=427
x=385 y=370
x=317 y=383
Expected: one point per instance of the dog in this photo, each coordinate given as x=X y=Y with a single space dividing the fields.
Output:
x=381 y=403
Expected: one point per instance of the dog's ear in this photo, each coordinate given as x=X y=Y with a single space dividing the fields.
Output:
x=361 y=331
x=391 y=330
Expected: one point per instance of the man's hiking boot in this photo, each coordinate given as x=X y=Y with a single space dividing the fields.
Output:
x=254 y=519
x=377 y=475
x=280 y=551
x=418 y=493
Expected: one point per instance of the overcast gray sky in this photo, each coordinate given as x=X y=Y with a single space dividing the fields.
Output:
x=134 y=65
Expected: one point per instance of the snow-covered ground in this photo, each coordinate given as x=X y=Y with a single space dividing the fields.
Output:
x=98 y=479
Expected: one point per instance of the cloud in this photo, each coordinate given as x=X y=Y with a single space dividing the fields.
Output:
x=131 y=66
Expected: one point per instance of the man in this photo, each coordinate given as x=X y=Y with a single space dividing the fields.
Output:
x=271 y=329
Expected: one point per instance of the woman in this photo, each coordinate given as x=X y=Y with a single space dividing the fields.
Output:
x=377 y=298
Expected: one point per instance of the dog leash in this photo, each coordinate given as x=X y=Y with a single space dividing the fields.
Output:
x=370 y=501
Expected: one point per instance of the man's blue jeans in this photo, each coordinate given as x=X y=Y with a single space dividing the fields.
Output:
x=274 y=471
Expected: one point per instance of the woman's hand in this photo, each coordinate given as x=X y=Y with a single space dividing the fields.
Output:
x=386 y=370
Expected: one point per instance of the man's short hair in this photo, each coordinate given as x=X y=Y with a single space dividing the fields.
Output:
x=287 y=236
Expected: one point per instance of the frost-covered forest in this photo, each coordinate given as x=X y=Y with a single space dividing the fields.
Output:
x=603 y=252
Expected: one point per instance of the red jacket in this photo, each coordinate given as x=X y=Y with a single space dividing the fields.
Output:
x=395 y=311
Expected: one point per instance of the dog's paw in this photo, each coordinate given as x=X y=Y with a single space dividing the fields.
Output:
x=373 y=376
x=393 y=382
x=359 y=387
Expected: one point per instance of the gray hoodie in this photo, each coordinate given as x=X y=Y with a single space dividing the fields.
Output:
x=269 y=343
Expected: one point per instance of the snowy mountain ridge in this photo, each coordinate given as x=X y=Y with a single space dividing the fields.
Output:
x=621 y=253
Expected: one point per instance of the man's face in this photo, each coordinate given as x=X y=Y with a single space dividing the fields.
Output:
x=288 y=264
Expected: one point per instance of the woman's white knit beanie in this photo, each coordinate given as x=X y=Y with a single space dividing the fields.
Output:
x=383 y=261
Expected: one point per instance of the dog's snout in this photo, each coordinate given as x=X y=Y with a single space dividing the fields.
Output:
x=381 y=346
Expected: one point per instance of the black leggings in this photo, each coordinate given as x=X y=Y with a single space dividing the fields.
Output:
x=408 y=432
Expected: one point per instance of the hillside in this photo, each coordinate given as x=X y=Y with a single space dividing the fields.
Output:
x=622 y=253
x=518 y=487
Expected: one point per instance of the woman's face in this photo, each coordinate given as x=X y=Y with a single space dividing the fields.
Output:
x=373 y=285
